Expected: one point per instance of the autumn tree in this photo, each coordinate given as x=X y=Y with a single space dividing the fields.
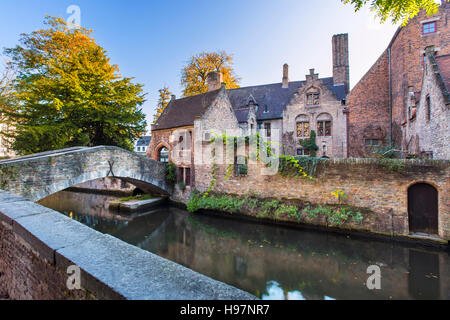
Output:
x=164 y=98
x=396 y=10
x=67 y=93
x=193 y=76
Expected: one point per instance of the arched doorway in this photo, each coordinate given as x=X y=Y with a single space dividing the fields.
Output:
x=423 y=208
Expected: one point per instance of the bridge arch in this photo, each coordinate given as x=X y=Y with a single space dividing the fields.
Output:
x=38 y=176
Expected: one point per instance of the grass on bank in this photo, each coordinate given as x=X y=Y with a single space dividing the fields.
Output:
x=139 y=197
x=283 y=210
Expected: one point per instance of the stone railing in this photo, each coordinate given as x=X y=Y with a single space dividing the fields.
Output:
x=38 y=245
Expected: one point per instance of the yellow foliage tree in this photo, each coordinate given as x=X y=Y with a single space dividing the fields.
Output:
x=396 y=10
x=163 y=102
x=193 y=77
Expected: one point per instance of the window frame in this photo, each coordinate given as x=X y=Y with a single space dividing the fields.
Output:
x=324 y=128
x=184 y=176
x=308 y=131
x=312 y=101
x=425 y=26
x=304 y=153
x=268 y=129
x=371 y=144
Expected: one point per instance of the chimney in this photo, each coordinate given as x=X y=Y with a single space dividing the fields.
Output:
x=285 y=76
x=341 y=68
x=214 y=80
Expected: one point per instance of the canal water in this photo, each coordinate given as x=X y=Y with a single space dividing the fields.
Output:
x=268 y=261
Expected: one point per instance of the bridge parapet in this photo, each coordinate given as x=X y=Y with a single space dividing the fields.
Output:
x=40 y=175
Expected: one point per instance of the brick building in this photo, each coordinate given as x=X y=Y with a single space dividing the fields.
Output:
x=378 y=104
x=282 y=112
x=426 y=128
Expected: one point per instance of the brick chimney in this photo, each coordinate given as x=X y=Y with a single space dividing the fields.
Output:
x=285 y=76
x=341 y=68
x=214 y=80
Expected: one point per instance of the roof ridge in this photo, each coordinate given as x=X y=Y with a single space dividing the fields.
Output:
x=196 y=95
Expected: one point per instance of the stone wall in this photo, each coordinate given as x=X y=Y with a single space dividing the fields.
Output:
x=40 y=175
x=106 y=185
x=329 y=109
x=37 y=245
x=367 y=184
x=420 y=134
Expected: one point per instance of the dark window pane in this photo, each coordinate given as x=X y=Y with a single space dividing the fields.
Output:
x=320 y=128
x=267 y=128
x=188 y=177
x=328 y=128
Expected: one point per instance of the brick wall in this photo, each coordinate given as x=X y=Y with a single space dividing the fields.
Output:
x=367 y=184
x=25 y=275
x=369 y=100
x=369 y=108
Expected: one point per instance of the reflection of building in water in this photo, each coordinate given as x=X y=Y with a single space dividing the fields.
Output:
x=93 y=205
x=300 y=264
x=272 y=262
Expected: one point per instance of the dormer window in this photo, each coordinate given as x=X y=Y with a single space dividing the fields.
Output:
x=266 y=109
x=312 y=99
x=429 y=27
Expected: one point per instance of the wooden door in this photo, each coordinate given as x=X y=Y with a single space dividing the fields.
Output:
x=423 y=208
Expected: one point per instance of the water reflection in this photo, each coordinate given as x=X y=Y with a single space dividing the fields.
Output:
x=270 y=262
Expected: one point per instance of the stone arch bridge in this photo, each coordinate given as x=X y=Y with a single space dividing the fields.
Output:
x=40 y=175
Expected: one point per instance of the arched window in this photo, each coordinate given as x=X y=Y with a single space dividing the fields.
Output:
x=164 y=155
x=303 y=128
x=324 y=125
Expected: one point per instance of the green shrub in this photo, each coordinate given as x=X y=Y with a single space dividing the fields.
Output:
x=171 y=173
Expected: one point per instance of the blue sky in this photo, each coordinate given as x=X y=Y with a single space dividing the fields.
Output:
x=152 y=40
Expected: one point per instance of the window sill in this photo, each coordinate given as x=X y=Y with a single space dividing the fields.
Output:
x=429 y=34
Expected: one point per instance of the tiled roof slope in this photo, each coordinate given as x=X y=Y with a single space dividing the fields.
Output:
x=274 y=97
x=182 y=112
x=144 y=141
x=271 y=99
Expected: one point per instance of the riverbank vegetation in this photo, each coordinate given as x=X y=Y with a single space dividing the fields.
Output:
x=139 y=197
x=292 y=210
